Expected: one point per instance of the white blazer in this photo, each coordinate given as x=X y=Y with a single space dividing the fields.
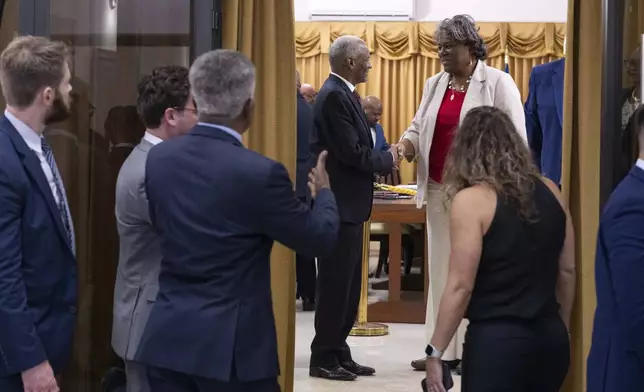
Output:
x=488 y=87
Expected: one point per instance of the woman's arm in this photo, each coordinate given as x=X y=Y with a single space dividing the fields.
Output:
x=471 y=214
x=567 y=274
x=508 y=98
x=411 y=138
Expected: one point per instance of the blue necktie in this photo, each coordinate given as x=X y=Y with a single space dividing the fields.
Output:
x=61 y=194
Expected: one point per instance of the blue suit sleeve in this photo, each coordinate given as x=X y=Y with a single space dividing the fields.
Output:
x=292 y=223
x=385 y=146
x=533 y=126
x=623 y=239
x=20 y=346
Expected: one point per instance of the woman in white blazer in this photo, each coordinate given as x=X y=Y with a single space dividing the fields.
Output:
x=466 y=82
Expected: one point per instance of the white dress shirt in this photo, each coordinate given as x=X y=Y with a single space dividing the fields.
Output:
x=373 y=137
x=152 y=138
x=34 y=142
x=348 y=83
x=640 y=163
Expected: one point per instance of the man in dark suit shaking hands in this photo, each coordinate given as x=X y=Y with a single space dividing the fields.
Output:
x=218 y=207
x=340 y=127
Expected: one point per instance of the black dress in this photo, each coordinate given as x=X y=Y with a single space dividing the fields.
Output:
x=516 y=340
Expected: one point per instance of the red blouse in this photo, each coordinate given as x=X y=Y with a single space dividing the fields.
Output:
x=447 y=120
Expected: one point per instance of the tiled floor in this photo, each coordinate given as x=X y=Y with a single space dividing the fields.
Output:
x=390 y=355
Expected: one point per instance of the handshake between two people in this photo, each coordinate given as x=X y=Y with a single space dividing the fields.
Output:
x=402 y=149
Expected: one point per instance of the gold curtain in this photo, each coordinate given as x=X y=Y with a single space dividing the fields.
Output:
x=581 y=163
x=263 y=30
x=404 y=55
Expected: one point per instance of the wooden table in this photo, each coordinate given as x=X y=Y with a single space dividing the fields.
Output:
x=395 y=213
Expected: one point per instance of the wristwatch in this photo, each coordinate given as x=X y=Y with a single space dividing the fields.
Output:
x=433 y=352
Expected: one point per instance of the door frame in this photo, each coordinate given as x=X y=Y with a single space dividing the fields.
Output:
x=206 y=23
x=611 y=120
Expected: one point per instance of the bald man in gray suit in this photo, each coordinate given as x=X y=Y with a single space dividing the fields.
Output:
x=167 y=110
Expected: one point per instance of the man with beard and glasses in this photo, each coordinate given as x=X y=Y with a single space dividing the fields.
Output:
x=38 y=293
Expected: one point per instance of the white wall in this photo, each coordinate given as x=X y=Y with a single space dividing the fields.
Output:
x=481 y=10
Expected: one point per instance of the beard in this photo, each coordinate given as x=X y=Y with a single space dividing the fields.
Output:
x=59 y=111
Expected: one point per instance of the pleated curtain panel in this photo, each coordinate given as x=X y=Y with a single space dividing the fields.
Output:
x=405 y=54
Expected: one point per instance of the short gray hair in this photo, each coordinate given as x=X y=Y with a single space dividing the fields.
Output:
x=346 y=46
x=462 y=29
x=222 y=81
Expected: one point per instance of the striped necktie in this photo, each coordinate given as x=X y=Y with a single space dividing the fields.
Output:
x=63 y=206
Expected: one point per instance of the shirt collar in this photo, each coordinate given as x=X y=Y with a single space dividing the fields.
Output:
x=351 y=86
x=152 y=138
x=229 y=131
x=640 y=163
x=31 y=137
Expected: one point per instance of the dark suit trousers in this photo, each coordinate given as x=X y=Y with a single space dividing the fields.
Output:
x=512 y=356
x=338 y=296
x=305 y=272
x=164 y=380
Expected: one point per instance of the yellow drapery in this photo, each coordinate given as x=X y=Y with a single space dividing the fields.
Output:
x=404 y=55
x=580 y=165
x=263 y=30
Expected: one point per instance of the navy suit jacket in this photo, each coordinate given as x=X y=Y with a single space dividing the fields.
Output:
x=218 y=207
x=38 y=290
x=616 y=359
x=544 y=117
x=341 y=128
x=304 y=130
x=381 y=142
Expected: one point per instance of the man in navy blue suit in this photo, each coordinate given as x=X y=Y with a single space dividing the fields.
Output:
x=616 y=359
x=373 y=110
x=218 y=207
x=544 y=117
x=37 y=251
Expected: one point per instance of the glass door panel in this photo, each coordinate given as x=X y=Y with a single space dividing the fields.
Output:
x=114 y=43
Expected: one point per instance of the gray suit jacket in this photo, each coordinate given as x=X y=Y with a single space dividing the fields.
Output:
x=137 y=276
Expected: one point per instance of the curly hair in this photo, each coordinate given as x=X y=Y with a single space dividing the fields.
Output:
x=487 y=150
x=462 y=28
x=166 y=87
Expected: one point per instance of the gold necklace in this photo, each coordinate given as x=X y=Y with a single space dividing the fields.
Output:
x=461 y=89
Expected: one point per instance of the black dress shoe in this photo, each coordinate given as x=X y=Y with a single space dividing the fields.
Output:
x=357 y=369
x=453 y=364
x=419 y=364
x=335 y=373
x=308 y=305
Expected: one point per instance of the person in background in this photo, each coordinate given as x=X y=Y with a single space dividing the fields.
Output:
x=511 y=265
x=373 y=110
x=38 y=278
x=218 y=208
x=341 y=127
x=544 y=117
x=627 y=153
x=305 y=265
x=309 y=93
x=466 y=82
x=167 y=110
x=616 y=359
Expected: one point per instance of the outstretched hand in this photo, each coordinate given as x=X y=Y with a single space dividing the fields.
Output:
x=319 y=178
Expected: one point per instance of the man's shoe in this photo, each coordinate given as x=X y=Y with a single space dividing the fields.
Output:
x=358 y=369
x=308 y=305
x=335 y=373
x=453 y=365
x=419 y=364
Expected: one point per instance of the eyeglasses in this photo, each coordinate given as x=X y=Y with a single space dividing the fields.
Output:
x=193 y=110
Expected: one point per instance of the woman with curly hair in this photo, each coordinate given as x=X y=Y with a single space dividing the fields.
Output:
x=466 y=82
x=511 y=265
